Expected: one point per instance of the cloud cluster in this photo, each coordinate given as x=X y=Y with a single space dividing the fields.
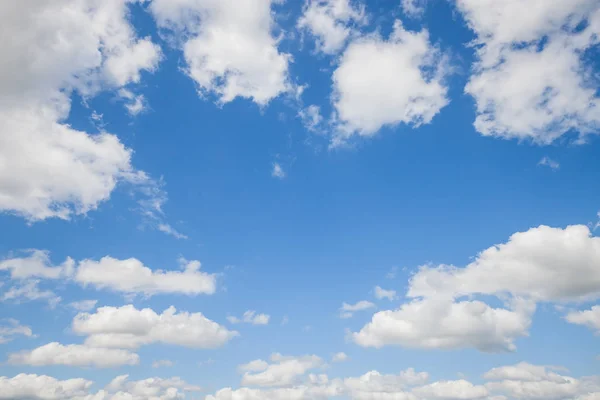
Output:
x=541 y=264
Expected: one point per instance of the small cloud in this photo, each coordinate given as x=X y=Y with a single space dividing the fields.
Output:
x=548 y=162
x=210 y=361
x=162 y=363
x=311 y=118
x=277 y=171
x=83 y=305
x=169 y=230
x=392 y=274
x=285 y=320
x=414 y=8
x=385 y=294
x=134 y=104
x=250 y=317
x=339 y=357
x=348 y=310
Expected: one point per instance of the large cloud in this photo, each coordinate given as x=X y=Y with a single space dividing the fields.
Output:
x=128 y=327
x=228 y=46
x=51 y=48
x=541 y=264
x=386 y=82
x=529 y=80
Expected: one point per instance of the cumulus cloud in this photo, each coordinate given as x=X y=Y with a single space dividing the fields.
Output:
x=386 y=82
x=529 y=80
x=251 y=317
x=129 y=276
x=451 y=390
x=28 y=291
x=413 y=8
x=228 y=46
x=381 y=293
x=43 y=387
x=589 y=318
x=541 y=264
x=339 y=357
x=132 y=276
x=348 y=310
x=331 y=22
x=128 y=327
x=282 y=371
x=51 y=49
x=10 y=328
x=74 y=355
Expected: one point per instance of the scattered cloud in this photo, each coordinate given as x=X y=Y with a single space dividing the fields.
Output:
x=250 y=317
x=550 y=163
x=386 y=82
x=228 y=47
x=83 y=305
x=11 y=327
x=128 y=327
x=331 y=22
x=589 y=318
x=414 y=8
x=74 y=355
x=311 y=118
x=385 y=294
x=277 y=171
x=348 y=310
x=339 y=357
x=282 y=371
x=162 y=363
x=135 y=104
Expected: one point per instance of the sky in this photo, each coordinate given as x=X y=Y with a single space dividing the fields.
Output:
x=299 y=199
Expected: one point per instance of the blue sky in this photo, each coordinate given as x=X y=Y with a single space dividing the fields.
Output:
x=338 y=199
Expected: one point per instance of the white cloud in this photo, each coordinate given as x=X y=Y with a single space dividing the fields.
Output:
x=385 y=294
x=277 y=171
x=348 y=310
x=228 y=46
x=311 y=117
x=132 y=276
x=30 y=291
x=386 y=82
x=543 y=263
x=550 y=163
x=282 y=371
x=339 y=357
x=529 y=80
x=589 y=318
x=251 y=317
x=452 y=390
x=413 y=8
x=36 y=265
x=11 y=328
x=134 y=104
x=42 y=387
x=84 y=305
x=58 y=47
x=330 y=22
x=436 y=323
x=74 y=355
x=169 y=230
x=162 y=363
x=128 y=327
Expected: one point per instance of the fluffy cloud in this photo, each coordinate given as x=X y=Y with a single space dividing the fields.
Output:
x=129 y=276
x=329 y=21
x=251 y=317
x=385 y=294
x=228 y=46
x=386 y=82
x=74 y=355
x=42 y=387
x=28 y=291
x=348 y=310
x=441 y=323
x=589 y=318
x=530 y=382
x=374 y=385
x=529 y=80
x=128 y=327
x=413 y=8
x=11 y=328
x=543 y=263
x=277 y=171
x=132 y=276
x=283 y=370
x=83 y=305
x=452 y=390
x=339 y=357
x=55 y=48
